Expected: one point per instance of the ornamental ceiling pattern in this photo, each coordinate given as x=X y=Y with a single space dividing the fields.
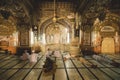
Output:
x=7 y=27
x=34 y=12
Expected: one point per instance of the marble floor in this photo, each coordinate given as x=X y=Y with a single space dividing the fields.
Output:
x=12 y=68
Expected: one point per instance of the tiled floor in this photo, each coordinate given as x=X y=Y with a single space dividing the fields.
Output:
x=11 y=68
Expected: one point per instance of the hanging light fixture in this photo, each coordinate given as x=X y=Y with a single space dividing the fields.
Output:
x=54 y=16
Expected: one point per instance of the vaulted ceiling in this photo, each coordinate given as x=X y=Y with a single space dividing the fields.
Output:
x=28 y=12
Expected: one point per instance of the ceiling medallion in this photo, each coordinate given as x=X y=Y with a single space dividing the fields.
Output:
x=91 y=15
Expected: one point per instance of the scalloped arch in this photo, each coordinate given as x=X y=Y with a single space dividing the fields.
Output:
x=45 y=24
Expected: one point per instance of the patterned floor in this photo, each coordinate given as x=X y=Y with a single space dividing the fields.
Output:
x=12 y=68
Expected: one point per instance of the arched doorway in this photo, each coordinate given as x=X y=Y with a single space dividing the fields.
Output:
x=108 y=45
x=107 y=41
x=55 y=35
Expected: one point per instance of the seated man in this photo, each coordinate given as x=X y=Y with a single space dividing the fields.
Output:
x=48 y=53
x=25 y=55
x=57 y=54
x=48 y=66
x=33 y=58
x=49 y=62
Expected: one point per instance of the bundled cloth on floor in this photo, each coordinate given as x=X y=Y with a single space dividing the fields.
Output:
x=67 y=56
x=84 y=61
x=106 y=59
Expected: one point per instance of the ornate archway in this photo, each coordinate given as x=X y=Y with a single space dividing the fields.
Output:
x=106 y=34
x=55 y=35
